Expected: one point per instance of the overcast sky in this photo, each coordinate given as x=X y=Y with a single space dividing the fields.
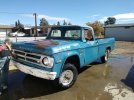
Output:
x=74 y=11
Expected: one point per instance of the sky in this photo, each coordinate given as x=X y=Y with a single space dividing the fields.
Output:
x=77 y=12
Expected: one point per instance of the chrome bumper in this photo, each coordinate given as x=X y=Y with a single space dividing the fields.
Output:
x=35 y=72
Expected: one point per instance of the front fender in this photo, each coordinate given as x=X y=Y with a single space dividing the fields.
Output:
x=60 y=60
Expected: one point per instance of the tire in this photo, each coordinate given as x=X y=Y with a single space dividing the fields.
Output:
x=68 y=76
x=104 y=58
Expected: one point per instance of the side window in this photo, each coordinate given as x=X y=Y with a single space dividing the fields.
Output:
x=88 y=35
x=75 y=34
x=56 y=33
x=68 y=34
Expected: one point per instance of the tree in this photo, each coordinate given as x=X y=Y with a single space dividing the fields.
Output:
x=110 y=20
x=19 y=25
x=97 y=26
x=44 y=22
x=16 y=24
x=64 y=23
x=58 y=23
x=69 y=23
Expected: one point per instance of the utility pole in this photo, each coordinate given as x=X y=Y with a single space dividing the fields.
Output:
x=35 y=16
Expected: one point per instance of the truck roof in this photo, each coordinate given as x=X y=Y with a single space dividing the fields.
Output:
x=71 y=26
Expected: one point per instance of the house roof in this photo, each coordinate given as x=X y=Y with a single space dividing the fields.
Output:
x=119 y=25
x=6 y=27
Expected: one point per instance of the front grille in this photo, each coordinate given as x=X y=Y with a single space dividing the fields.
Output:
x=31 y=60
x=34 y=56
x=28 y=57
x=19 y=52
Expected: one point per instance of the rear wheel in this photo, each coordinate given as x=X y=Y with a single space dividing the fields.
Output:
x=105 y=57
x=67 y=77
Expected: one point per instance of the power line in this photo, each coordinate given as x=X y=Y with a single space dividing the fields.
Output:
x=15 y=13
x=34 y=14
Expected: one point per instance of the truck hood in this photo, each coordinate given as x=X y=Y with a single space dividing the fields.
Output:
x=47 y=47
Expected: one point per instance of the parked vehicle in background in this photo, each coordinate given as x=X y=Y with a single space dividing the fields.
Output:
x=60 y=56
x=17 y=33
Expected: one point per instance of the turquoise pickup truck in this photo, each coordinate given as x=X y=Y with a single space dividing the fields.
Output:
x=62 y=54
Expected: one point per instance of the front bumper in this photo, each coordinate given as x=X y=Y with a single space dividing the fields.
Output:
x=35 y=72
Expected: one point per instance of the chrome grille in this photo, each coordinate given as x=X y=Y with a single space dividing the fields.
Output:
x=28 y=57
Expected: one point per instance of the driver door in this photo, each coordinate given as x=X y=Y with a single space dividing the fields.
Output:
x=91 y=47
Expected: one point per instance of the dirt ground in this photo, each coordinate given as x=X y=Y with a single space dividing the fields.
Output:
x=113 y=80
x=124 y=48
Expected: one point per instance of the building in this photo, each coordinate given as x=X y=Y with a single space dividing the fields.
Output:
x=121 y=32
x=4 y=30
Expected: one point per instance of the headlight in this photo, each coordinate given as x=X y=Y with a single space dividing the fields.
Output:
x=45 y=61
x=48 y=62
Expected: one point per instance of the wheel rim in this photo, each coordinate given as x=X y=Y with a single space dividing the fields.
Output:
x=66 y=77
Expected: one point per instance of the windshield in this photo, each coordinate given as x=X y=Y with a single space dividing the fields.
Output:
x=65 y=33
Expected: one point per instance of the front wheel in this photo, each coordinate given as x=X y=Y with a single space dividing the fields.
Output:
x=68 y=76
x=105 y=57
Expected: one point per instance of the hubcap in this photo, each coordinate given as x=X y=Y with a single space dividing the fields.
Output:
x=66 y=77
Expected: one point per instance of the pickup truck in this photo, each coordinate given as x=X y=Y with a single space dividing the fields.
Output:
x=62 y=54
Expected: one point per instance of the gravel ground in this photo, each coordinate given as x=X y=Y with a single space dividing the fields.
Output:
x=122 y=47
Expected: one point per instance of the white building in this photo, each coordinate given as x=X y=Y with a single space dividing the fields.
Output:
x=4 y=30
x=121 y=32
